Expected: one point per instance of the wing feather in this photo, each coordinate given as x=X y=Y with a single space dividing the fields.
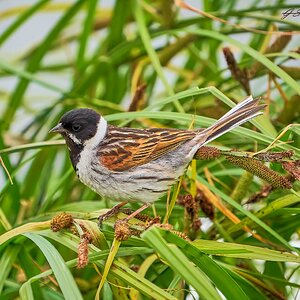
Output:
x=125 y=149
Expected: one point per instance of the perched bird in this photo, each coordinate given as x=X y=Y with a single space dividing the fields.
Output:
x=138 y=165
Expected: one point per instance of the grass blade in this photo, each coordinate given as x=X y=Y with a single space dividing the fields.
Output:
x=58 y=265
x=216 y=273
x=35 y=61
x=8 y=258
x=20 y=20
x=140 y=19
x=86 y=30
x=180 y=264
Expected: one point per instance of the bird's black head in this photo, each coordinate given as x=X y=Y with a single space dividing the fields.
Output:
x=81 y=128
x=79 y=125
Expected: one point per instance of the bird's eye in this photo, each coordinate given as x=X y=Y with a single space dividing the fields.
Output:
x=76 y=127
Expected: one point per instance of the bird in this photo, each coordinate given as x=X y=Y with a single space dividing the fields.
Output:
x=138 y=165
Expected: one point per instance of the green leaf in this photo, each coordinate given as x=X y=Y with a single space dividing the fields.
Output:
x=181 y=264
x=140 y=19
x=243 y=251
x=249 y=215
x=86 y=32
x=252 y=52
x=30 y=77
x=112 y=253
x=117 y=270
x=8 y=258
x=274 y=206
x=216 y=273
x=58 y=265
x=34 y=63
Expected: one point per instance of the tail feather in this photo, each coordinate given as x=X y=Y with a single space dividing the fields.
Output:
x=241 y=113
x=249 y=101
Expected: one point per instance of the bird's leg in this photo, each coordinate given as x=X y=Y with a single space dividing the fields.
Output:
x=141 y=217
x=127 y=211
x=138 y=211
x=122 y=230
x=111 y=212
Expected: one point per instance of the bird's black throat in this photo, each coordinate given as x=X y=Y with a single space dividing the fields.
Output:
x=74 y=150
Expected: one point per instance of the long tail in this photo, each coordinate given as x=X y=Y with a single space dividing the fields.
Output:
x=241 y=113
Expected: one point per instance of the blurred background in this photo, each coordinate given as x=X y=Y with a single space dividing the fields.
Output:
x=148 y=64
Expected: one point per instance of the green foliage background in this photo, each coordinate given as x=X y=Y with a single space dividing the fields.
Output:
x=102 y=55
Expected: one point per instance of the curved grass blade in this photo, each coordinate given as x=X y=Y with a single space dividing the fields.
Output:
x=20 y=20
x=140 y=19
x=216 y=273
x=279 y=203
x=8 y=258
x=252 y=52
x=186 y=118
x=30 y=77
x=62 y=273
x=112 y=253
x=251 y=216
x=86 y=30
x=34 y=63
x=32 y=146
x=29 y=227
x=117 y=269
x=181 y=264
x=243 y=251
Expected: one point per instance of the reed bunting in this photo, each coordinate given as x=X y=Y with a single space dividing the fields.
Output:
x=138 y=165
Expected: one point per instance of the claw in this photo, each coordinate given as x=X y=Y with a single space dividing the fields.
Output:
x=110 y=213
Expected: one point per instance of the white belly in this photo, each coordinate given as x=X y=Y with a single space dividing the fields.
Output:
x=145 y=183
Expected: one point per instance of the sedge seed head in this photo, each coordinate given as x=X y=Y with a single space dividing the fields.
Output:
x=61 y=221
x=259 y=169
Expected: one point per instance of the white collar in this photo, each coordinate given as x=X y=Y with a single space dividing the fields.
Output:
x=99 y=136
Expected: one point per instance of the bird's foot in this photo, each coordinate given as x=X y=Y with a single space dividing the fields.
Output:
x=110 y=213
x=142 y=217
x=123 y=231
x=152 y=221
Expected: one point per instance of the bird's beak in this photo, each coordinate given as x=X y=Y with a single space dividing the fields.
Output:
x=57 y=129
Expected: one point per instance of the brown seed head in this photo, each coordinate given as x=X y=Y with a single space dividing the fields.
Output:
x=293 y=168
x=180 y=234
x=83 y=251
x=238 y=74
x=87 y=235
x=196 y=225
x=188 y=202
x=274 y=156
x=205 y=205
x=259 y=169
x=122 y=231
x=263 y=193
x=191 y=206
x=207 y=153
x=61 y=221
x=152 y=221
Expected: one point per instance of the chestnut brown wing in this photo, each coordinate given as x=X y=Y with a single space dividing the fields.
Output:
x=125 y=148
